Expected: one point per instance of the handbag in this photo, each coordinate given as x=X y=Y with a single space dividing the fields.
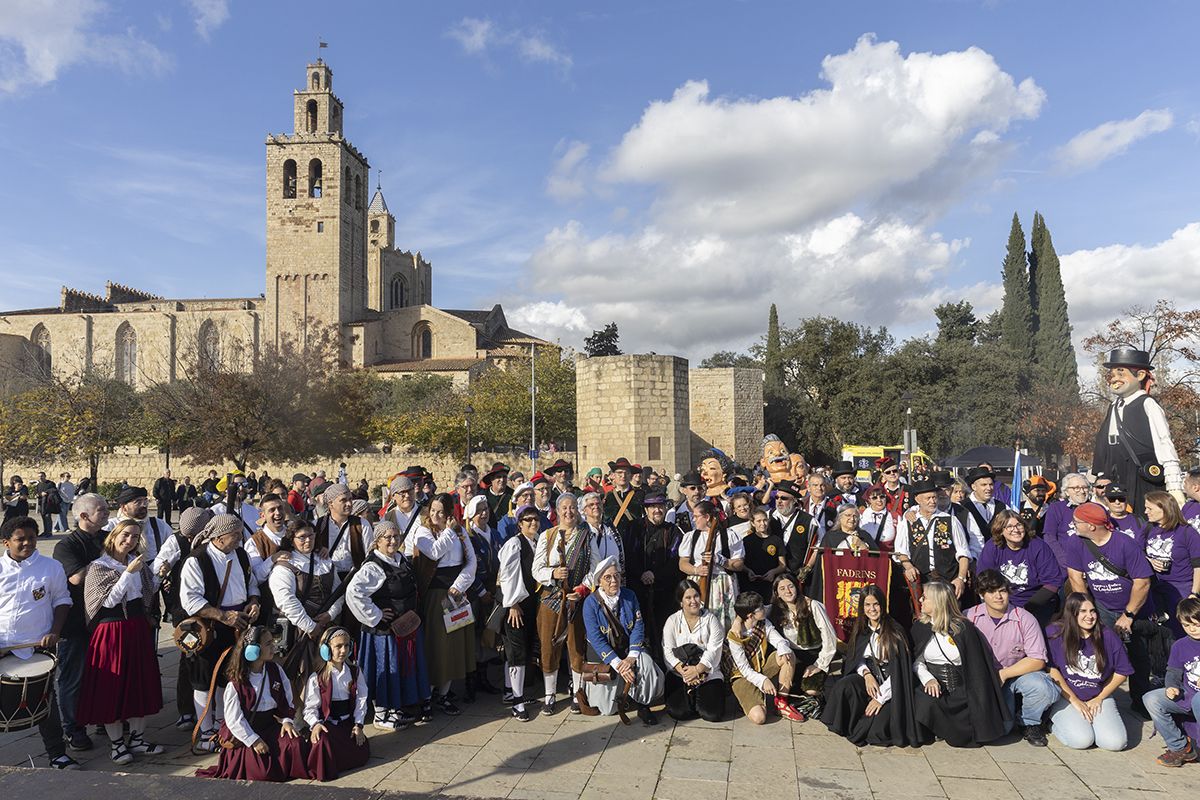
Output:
x=495 y=620
x=594 y=672
x=406 y=624
x=194 y=634
x=456 y=616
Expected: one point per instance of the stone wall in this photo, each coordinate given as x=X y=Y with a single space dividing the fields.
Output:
x=634 y=406
x=142 y=469
x=726 y=410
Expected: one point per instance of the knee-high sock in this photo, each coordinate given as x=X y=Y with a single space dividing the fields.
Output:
x=137 y=725
x=576 y=681
x=550 y=679
x=508 y=684
x=212 y=719
x=515 y=677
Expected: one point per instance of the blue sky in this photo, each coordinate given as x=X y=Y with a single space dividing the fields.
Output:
x=673 y=166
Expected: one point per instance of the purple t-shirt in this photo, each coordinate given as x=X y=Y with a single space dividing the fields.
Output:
x=1058 y=528
x=1027 y=569
x=1191 y=512
x=1179 y=547
x=1110 y=590
x=1131 y=527
x=1085 y=680
x=1185 y=657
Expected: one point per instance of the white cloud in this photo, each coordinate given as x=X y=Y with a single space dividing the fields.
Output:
x=1092 y=147
x=886 y=123
x=566 y=180
x=480 y=37
x=822 y=202
x=38 y=40
x=554 y=321
x=209 y=15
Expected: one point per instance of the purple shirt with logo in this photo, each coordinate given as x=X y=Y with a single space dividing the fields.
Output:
x=1179 y=547
x=1058 y=528
x=1084 y=679
x=1110 y=590
x=1132 y=527
x=1026 y=570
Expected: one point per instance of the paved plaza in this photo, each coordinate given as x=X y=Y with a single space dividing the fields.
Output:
x=485 y=753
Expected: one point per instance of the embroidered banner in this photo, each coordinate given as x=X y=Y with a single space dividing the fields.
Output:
x=845 y=575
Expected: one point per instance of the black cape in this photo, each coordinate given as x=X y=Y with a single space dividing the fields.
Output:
x=974 y=714
x=895 y=725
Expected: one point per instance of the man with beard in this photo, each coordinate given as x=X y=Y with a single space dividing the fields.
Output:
x=653 y=567
x=348 y=538
x=845 y=484
x=1134 y=443
x=692 y=488
x=562 y=474
x=793 y=525
x=132 y=503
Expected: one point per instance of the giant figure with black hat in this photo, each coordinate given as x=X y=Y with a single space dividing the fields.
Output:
x=1134 y=444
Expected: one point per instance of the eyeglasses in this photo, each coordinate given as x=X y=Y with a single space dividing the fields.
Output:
x=525 y=520
x=1077 y=488
x=891 y=472
x=1014 y=526
x=610 y=578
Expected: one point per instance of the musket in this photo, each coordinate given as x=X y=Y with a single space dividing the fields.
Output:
x=709 y=546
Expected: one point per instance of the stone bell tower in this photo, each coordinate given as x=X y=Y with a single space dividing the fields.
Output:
x=316 y=218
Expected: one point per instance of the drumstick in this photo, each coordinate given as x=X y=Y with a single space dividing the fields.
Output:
x=11 y=647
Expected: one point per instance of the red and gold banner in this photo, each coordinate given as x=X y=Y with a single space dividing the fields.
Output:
x=845 y=574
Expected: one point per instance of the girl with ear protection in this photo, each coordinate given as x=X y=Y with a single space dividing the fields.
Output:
x=258 y=740
x=335 y=707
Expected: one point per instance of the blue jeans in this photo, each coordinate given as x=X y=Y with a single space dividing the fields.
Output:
x=1163 y=713
x=64 y=523
x=72 y=653
x=1038 y=692
x=1106 y=730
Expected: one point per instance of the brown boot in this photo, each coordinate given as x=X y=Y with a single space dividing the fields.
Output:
x=585 y=708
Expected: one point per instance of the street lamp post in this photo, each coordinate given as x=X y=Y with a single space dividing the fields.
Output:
x=467 y=412
x=910 y=440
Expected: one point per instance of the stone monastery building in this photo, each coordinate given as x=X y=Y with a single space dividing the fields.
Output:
x=332 y=264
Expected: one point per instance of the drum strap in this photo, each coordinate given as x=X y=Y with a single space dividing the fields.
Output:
x=212 y=687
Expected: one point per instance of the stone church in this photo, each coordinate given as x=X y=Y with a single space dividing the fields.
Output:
x=332 y=264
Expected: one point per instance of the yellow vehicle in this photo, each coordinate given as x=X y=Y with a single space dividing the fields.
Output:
x=863 y=458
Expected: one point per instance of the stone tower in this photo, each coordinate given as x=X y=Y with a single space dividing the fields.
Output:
x=316 y=218
x=395 y=278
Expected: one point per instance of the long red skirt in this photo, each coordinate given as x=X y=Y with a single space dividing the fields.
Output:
x=286 y=759
x=336 y=751
x=120 y=678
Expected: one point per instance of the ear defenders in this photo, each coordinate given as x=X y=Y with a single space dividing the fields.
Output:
x=251 y=651
x=325 y=651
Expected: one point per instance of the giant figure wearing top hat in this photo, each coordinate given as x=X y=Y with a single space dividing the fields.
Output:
x=1133 y=445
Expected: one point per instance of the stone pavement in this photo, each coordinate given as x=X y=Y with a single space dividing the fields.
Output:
x=484 y=753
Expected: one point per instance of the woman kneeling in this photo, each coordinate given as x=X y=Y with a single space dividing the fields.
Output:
x=693 y=642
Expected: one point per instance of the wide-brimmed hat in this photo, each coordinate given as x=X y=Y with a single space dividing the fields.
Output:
x=496 y=471
x=918 y=488
x=558 y=466
x=129 y=494
x=620 y=463
x=1128 y=357
x=979 y=473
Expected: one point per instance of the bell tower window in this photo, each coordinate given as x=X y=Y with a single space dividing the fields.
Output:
x=289 y=178
x=310 y=116
x=314 y=178
x=316 y=81
x=358 y=192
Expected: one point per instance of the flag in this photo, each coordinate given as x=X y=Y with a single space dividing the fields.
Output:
x=322 y=45
x=1014 y=500
x=844 y=575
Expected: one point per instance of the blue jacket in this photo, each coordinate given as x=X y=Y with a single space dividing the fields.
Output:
x=595 y=621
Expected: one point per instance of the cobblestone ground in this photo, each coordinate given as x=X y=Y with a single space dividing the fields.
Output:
x=484 y=753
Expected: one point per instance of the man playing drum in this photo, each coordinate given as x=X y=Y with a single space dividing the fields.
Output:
x=34 y=602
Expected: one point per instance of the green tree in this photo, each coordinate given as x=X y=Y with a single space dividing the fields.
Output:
x=604 y=342
x=1017 y=312
x=956 y=322
x=772 y=358
x=1052 y=340
x=728 y=358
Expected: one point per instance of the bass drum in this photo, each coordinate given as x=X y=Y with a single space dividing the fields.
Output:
x=26 y=690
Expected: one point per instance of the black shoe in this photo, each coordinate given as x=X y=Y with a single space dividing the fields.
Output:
x=548 y=707
x=1034 y=735
x=426 y=712
x=508 y=697
x=79 y=741
x=646 y=715
x=521 y=713
x=575 y=705
x=447 y=706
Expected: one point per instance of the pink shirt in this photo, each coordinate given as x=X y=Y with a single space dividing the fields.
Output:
x=1014 y=636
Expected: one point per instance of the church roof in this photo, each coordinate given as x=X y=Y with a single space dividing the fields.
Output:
x=378 y=204
x=429 y=365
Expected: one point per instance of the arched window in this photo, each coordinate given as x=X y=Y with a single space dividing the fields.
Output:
x=374 y=226
x=289 y=178
x=422 y=340
x=398 y=294
x=310 y=116
x=346 y=184
x=127 y=354
x=209 y=346
x=40 y=339
x=314 y=178
x=316 y=80
x=358 y=191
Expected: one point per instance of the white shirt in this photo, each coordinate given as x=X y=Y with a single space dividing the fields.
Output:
x=939 y=650
x=168 y=554
x=977 y=538
x=261 y=567
x=698 y=540
x=447 y=549
x=788 y=523
x=365 y=582
x=235 y=715
x=128 y=586
x=876 y=524
x=30 y=590
x=873 y=650
x=191 y=581
x=708 y=635
x=511 y=580
x=150 y=525
x=738 y=653
x=282 y=583
x=962 y=548
x=339 y=680
x=1160 y=435
x=828 y=636
x=341 y=554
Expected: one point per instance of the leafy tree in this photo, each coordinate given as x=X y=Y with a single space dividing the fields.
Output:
x=604 y=342
x=1016 y=325
x=422 y=412
x=1052 y=340
x=772 y=358
x=728 y=358
x=956 y=322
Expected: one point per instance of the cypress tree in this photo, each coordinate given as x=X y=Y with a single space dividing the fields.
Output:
x=1016 y=324
x=773 y=358
x=1052 y=338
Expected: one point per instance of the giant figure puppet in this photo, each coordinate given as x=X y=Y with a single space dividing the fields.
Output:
x=1133 y=445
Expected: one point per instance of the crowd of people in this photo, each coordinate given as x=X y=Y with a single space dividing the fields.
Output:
x=319 y=617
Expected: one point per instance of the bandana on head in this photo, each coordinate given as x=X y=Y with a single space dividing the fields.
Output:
x=336 y=491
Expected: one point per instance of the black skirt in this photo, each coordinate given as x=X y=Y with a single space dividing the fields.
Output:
x=845 y=714
x=947 y=716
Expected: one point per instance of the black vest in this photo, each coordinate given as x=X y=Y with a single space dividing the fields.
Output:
x=399 y=590
x=212 y=583
x=941 y=539
x=531 y=585
x=1113 y=459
